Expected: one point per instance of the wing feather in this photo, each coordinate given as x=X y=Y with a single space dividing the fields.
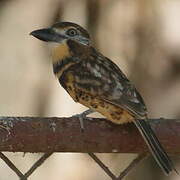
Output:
x=103 y=78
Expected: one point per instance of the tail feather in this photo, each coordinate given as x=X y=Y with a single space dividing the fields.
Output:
x=155 y=147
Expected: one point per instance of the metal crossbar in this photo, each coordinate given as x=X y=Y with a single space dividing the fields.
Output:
x=25 y=176
x=41 y=160
x=52 y=135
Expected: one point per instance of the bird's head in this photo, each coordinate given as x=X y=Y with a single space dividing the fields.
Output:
x=63 y=31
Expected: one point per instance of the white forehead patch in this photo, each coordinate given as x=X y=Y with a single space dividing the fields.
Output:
x=60 y=31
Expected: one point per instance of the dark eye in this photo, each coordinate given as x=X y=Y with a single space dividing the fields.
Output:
x=71 y=32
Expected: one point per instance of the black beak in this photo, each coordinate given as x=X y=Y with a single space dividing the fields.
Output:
x=45 y=35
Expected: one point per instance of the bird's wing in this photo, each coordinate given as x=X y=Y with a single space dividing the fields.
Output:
x=100 y=77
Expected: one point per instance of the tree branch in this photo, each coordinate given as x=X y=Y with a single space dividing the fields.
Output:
x=35 y=134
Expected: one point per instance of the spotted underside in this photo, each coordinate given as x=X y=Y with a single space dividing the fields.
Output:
x=96 y=82
x=111 y=112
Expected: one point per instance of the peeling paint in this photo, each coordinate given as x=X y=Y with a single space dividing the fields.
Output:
x=114 y=150
x=53 y=126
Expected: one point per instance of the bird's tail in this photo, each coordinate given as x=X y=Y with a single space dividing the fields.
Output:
x=154 y=145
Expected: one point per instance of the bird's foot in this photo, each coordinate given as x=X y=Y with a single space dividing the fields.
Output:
x=83 y=116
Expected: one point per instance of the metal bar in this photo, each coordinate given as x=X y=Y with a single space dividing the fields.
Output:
x=12 y=166
x=38 y=163
x=103 y=166
x=36 y=134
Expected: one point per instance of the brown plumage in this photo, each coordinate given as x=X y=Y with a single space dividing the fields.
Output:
x=96 y=82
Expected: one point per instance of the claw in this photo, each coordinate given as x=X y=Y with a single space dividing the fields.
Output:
x=82 y=116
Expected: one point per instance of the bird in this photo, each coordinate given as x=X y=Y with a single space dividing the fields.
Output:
x=96 y=82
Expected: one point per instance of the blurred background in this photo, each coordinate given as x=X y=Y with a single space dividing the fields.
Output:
x=141 y=36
